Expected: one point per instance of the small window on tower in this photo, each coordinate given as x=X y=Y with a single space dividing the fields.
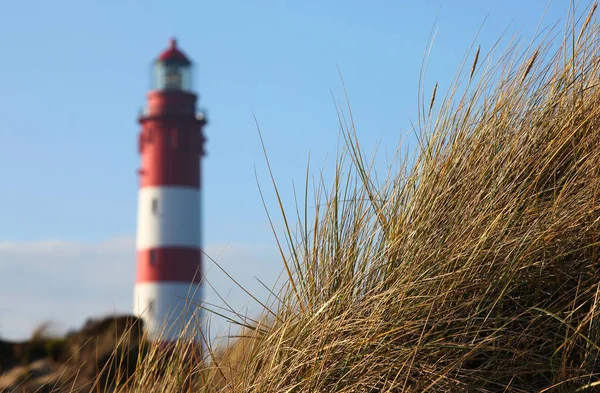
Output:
x=149 y=135
x=151 y=307
x=152 y=257
x=155 y=205
x=174 y=138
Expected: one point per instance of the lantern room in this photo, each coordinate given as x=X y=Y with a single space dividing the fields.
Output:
x=172 y=70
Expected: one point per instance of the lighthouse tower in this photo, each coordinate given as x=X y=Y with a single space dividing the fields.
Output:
x=167 y=289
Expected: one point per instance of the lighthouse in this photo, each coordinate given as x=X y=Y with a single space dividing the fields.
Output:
x=167 y=290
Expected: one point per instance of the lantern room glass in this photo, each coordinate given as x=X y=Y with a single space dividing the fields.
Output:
x=172 y=76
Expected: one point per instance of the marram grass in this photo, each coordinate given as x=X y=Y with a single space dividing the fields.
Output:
x=473 y=267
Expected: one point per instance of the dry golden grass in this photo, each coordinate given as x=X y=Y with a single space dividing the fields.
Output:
x=472 y=267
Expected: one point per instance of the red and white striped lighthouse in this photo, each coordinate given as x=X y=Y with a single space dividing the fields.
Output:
x=167 y=289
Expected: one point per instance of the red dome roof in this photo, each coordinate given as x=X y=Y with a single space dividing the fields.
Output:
x=174 y=54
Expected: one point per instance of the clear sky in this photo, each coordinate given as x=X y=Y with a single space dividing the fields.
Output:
x=74 y=75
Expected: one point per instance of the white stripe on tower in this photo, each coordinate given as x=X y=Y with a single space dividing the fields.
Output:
x=165 y=314
x=168 y=216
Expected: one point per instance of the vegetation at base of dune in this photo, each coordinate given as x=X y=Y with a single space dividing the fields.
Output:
x=104 y=352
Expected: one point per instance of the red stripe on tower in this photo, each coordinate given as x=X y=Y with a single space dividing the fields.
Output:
x=169 y=262
x=174 y=264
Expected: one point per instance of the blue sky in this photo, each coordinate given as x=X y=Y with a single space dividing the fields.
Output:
x=74 y=75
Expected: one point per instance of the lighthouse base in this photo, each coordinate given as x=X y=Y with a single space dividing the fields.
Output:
x=170 y=310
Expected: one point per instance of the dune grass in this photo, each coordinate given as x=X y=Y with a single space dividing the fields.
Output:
x=471 y=266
